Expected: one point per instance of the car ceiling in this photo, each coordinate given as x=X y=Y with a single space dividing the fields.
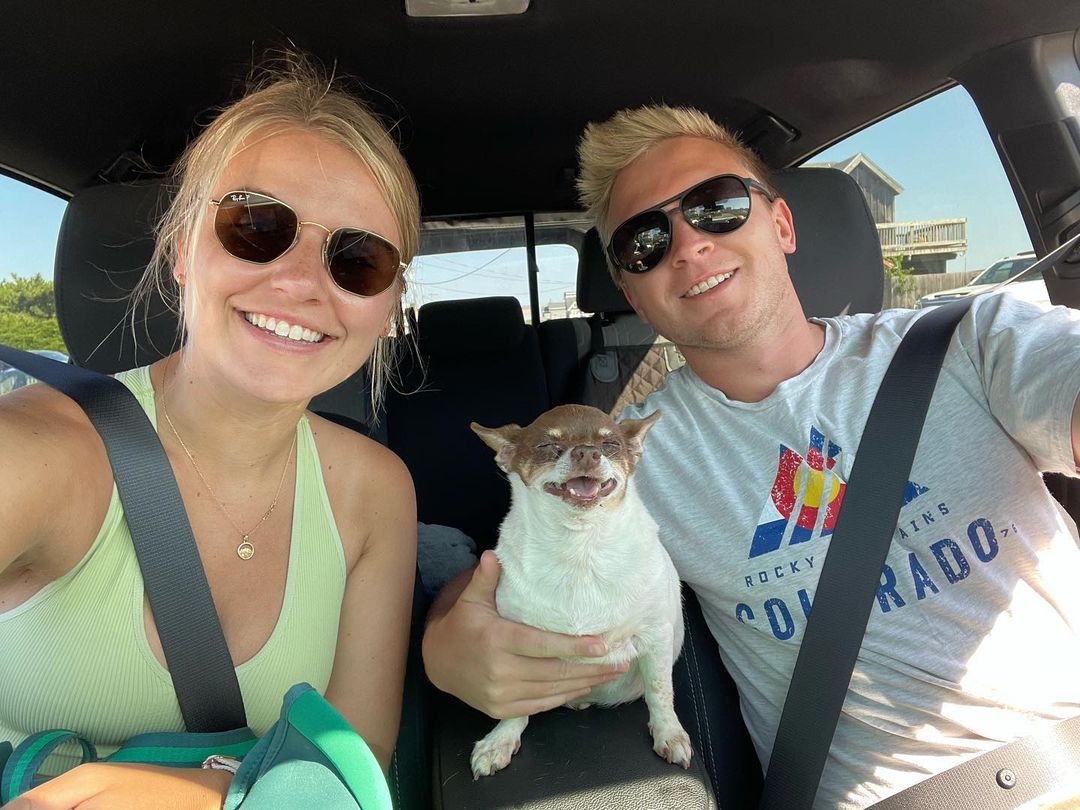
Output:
x=488 y=110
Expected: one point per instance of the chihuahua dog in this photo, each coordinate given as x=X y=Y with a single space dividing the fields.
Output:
x=580 y=555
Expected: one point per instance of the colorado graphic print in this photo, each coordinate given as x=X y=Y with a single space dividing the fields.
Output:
x=812 y=486
x=804 y=505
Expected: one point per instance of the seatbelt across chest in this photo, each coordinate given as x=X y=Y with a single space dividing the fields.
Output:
x=187 y=621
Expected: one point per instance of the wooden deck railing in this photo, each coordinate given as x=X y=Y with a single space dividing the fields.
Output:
x=923 y=238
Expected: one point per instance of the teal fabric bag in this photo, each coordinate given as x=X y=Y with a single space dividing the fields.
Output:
x=310 y=758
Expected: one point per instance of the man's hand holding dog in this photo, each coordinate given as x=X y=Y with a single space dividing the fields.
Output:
x=503 y=668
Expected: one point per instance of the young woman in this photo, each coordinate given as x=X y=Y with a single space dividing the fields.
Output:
x=286 y=243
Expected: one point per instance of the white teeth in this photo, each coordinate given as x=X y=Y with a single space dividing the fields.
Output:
x=708 y=284
x=283 y=329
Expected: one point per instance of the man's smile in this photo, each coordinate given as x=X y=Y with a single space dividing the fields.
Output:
x=707 y=284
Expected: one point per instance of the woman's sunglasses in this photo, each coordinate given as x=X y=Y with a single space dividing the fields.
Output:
x=718 y=205
x=256 y=228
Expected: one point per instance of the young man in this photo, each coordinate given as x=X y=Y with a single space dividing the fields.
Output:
x=975 y=638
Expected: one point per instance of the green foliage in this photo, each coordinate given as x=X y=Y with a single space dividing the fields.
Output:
x=900 y=274
x=33 y=295
x=28 y=314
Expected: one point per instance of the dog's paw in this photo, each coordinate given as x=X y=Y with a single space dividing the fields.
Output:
x=674 y=745
x=493 y=753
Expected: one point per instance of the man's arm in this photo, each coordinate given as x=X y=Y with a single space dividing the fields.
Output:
x=503 y=668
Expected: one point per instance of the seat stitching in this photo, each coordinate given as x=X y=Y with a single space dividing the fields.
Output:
x=705 y=710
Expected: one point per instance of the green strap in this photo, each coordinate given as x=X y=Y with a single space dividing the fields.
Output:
x=26 y=760
x=183 y=750
x=173 y=749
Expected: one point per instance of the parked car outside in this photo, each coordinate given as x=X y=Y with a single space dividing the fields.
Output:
x=12 y=378
x=1000 y=271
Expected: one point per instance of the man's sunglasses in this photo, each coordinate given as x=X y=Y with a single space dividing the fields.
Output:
x=256 y=228
x=718 y=205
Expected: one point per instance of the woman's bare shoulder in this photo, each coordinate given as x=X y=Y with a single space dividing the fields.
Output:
x=367 y=483
x=353 y=454
x=41 y=421
x=53 y=468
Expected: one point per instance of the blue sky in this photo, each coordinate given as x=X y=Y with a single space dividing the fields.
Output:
x=941 y=154
x=29 y=221
x=938 y=150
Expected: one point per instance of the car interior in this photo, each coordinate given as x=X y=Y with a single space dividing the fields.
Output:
x=97 y=101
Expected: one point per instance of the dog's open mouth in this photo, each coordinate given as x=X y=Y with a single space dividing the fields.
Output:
x=582 y=490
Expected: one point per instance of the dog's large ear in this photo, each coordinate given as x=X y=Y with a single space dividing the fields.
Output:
x=634 y=430
x=501 y=440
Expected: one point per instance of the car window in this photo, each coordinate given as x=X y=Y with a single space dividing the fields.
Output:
x=944 y=209
x=28 y=231
x=461 y=259
x=1003 y=271
x=1034 y=275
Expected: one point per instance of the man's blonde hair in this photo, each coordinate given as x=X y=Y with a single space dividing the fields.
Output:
x=295 y=94
x=608 y=147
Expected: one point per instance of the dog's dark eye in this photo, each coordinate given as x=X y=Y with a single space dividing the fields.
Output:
x=611 y=447
x=548 y=451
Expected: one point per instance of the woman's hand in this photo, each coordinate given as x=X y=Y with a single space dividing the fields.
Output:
x=127 y=786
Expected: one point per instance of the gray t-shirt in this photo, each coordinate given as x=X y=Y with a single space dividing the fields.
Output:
x=975 y=636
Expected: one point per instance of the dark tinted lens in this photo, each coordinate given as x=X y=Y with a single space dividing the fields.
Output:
x=253 y=227
x=639 y=244
x=717 y=206
x=361 y=262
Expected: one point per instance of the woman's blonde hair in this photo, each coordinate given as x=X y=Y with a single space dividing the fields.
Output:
x=293 y=93
x=608 y=147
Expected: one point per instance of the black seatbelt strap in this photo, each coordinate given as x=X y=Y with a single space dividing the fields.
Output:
x=175 y=583
x=851 y=572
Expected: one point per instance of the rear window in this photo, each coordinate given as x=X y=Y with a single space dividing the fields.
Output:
x=476 y=258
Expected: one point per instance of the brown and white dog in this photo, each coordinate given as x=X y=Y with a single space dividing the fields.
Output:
x=580 y=555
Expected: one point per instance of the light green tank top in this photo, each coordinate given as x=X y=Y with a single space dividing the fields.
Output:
x=75 y=655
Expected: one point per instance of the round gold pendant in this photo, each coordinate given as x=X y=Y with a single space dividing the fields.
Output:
x=245 y=551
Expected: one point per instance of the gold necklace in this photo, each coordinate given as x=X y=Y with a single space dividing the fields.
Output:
x=245 y=551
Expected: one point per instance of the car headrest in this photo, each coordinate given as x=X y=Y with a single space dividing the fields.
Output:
x=470 y=325
x=105 y=242
x=836 y=268
x=596 y=292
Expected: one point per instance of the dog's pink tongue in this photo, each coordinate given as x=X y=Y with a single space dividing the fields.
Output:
x=583 y=487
